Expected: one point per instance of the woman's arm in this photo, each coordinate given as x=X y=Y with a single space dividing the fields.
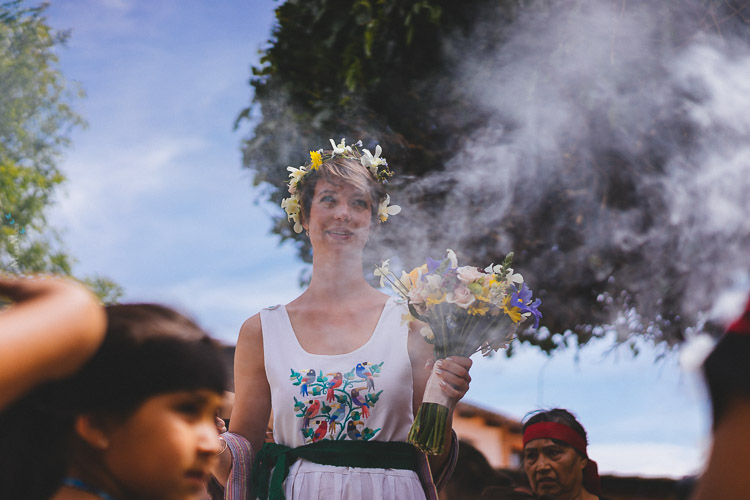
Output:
x=252 y=397
x=52 y=328
x=454 y=372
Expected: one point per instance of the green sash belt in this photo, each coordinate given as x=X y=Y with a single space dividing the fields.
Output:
x=368 y=454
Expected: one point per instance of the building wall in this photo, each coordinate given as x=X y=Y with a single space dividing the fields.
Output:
x=498 y=443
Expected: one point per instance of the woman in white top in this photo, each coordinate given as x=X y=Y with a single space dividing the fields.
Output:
x=336 y=364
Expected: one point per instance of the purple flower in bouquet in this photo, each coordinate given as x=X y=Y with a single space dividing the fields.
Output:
x=522 y=300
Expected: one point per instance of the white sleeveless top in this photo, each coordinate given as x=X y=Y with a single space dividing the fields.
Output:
x=365 y=394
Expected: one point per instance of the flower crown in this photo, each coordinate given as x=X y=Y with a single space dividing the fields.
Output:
x=375 y=164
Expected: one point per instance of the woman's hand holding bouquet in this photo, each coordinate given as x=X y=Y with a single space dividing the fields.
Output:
x=466 y=310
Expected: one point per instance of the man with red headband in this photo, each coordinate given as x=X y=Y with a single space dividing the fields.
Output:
x=555 y=458
x=727 y=371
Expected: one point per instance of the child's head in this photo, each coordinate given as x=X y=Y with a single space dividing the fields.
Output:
x=145 y=406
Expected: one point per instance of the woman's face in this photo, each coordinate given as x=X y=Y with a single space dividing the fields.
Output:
x=553 y=469
x=164 y=451
x=340 y=215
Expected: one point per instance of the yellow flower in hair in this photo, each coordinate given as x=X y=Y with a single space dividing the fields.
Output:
x=317 y=160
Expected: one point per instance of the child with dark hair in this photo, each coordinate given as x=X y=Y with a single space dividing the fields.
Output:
x=137 y=421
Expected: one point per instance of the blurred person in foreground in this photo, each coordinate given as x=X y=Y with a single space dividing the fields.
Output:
x=137 y=421
x=51 y=327
x=555 y=458
x=727 y=372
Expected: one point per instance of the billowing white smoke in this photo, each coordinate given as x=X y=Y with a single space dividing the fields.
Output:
x=627 y=134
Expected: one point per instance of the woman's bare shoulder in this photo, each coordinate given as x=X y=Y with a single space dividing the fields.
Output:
x=251 y=331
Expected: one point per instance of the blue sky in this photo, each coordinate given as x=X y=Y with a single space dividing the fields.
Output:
x=158 y=201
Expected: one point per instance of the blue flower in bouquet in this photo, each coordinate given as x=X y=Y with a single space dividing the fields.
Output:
x=522 y=300
x=448 y=263
x=433 y=264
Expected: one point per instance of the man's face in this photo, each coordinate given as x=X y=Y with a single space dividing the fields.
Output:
x=553 y=469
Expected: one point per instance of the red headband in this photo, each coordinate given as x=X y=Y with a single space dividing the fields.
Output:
x=554 y=430
x=561 y=432
x=742 y=324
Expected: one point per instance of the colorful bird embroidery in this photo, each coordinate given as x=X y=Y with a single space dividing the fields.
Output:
x=349 y=406
x=311 y=412
x=357 y=400
x=308 y=379
x=352 y=431
x=334 y=384
x=362 y=372
x=337 y=415
x=321 y=431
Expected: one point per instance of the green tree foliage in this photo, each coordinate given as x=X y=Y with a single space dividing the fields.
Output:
x=36 y=119
x=392 y=72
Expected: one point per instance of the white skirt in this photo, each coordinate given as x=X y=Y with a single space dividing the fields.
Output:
x=310 y=481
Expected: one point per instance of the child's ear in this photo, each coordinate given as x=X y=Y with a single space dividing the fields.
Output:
x=90 y=429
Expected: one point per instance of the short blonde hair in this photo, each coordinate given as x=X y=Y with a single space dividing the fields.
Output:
x=339 y=171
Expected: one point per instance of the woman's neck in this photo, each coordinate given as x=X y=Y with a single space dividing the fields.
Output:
x=338 y=278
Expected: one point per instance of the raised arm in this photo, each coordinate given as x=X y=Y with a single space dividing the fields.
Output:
x=53 y=326
x=252 y=396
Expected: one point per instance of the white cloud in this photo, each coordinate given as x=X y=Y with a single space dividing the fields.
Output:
x=222 y=305
x=118 y=5
x=647 y=459
x=107 y=179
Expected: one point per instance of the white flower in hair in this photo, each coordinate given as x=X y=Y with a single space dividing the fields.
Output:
x=291 y=206
x=372 y=162
x=341 y=148
x=384 y=211
x=296 y=174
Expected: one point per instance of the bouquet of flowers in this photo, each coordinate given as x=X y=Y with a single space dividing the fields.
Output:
x=466 y=310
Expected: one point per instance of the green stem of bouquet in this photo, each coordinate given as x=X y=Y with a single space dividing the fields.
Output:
x=427 y=433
